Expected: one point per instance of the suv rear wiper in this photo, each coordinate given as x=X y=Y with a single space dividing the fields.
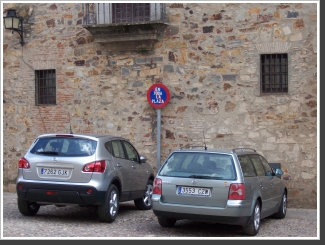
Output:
x=48 y=152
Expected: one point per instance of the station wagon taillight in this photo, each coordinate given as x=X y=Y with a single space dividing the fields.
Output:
x=98 y=167
x=236 y=192
x=23 y=163
x=157 y=186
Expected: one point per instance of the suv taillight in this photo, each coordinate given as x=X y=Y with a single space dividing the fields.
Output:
x=157 y=187
x=98 y=167
x=236 y=192
x=23 y=163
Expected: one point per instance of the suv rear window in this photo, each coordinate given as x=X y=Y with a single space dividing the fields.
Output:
x=70 y=147
x=197 y=164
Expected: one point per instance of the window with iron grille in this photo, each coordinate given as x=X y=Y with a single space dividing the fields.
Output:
x=130 y=12
x=112 y=13
x=45 y=87
x=274 y=73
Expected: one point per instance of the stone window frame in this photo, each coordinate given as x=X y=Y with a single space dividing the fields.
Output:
x=45 y=87
x=272 y=48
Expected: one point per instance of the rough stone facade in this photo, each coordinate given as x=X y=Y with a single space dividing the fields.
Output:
x=209 y=60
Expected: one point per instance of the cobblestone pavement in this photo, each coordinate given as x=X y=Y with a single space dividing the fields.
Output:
x=77 y=223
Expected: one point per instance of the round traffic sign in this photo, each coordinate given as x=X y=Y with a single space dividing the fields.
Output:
x=158 y=95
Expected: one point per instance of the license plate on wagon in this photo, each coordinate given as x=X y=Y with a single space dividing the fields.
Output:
x=193 y=191
x=54 y=171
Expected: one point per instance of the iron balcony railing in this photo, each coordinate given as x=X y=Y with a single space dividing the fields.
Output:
x=117 y=13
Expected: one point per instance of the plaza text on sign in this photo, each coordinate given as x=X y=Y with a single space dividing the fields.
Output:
x=158 y=95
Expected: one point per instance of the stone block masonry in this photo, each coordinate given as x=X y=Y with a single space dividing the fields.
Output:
x=208 y=57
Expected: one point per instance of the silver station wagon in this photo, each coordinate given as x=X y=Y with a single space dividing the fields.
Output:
x=85 y=170
x=235 y=186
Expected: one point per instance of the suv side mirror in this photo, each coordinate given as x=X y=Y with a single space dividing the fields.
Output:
x=143 y=159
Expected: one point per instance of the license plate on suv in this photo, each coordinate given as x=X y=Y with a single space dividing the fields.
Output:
x=54 y=171
x=194 y=191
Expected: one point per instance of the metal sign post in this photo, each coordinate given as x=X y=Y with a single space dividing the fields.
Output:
x=158 y=96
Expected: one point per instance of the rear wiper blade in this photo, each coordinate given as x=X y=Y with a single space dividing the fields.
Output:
x=48 y=152
x=200 y=176
x=204 y=177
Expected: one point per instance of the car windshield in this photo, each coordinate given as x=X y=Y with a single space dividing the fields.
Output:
x=199 y=165
x=62 y=146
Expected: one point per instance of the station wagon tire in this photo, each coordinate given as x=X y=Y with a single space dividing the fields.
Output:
x=254 y=223
x=283 y=208
x=107 y=212
x=144 y=203
x=28 y=208
x=166 y=222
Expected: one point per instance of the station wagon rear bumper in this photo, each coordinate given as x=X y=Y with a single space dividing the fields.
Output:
x=242 y=220
x=235 y=212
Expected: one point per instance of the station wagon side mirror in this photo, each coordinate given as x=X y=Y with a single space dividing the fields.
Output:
x=143 y=159
x=278 y=172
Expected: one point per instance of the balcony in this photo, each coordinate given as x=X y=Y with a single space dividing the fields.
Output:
x=125 y=26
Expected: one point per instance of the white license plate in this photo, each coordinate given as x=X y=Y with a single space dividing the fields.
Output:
x=194 y=191
x=54 y=171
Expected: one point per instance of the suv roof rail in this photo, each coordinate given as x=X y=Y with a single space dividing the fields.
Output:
x=243 y=149
x=193 y=146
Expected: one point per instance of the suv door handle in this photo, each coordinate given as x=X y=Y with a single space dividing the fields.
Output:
x=119 y=165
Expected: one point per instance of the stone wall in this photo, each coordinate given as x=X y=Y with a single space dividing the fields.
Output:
x=209 y=60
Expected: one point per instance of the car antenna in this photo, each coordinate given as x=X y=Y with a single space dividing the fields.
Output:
x=70 y=124
x=205 y=146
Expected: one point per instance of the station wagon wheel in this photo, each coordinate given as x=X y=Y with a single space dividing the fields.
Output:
x=282 y=208
x=28 y=208
x=253 y=225
x=166 y=222
x=144 y=203
x=107 y=212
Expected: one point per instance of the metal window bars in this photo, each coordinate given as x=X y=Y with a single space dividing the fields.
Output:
x=274 y=73
x=115 y=13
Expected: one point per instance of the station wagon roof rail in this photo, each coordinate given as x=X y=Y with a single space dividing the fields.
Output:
x=193 y=146
x=243 y=149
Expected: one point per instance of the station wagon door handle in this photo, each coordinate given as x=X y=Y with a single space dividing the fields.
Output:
x=119 y=165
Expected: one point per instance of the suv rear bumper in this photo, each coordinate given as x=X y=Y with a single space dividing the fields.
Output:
x=59 y=194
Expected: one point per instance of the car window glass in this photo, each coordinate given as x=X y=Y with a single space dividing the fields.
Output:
x=64 y=146
x=187 y=164
x=268 y=169
x=257 y=165
x=131 y=152
x=246 y=166
x=117 y=149
x=108 y=147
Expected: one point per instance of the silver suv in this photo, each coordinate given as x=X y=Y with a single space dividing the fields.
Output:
x=235 y=186
x=83 y=169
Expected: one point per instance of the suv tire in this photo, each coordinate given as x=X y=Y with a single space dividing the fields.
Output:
x=254 y=223
x=283 y=207
x=144 y=203
x=28 y=208
x=107 y=212
x=166 y=222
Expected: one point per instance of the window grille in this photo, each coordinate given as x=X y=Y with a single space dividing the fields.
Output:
x=130 y=12
x=45 y=87
x=274 y=73
x=113 y=13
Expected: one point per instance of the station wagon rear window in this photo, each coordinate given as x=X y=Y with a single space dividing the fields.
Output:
x=199 y=165
x=60 y=146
